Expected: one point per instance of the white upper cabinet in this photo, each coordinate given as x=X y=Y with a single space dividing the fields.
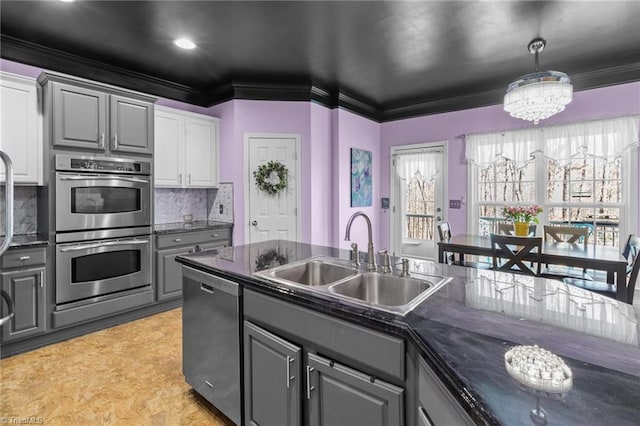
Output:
x=186 y=149
x=20 y=128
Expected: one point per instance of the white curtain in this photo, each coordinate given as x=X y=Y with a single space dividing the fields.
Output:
x=424 y=162
x=607 y=139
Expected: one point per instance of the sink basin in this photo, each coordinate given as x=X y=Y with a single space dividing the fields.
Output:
x=337 y=278
x=387 y=292
x=311 y=273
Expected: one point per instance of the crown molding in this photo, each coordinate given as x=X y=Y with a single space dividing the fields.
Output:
x=60 y=61
x=583 y=81
x=17 y=50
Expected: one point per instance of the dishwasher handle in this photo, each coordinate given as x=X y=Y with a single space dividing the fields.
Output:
x=210 y=283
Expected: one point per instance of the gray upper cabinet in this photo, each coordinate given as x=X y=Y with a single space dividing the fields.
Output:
x=339 y=395
x=272 y=380
x=96 y=117
x=79 y=118
x=131 y=125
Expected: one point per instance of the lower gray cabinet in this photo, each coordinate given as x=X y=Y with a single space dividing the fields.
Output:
x=339 y=395
x=23 y=278
x=276 y=384
x=272 y=380
x=436 y=406
x=168 y=271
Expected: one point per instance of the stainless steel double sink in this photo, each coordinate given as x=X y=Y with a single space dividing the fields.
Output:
x=337 y=278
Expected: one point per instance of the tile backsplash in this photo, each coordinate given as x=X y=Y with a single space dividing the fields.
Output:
x=25 y=210
x=221 y=204
x=171 y=205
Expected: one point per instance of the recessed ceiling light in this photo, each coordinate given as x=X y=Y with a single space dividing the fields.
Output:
x=184 y=43
x=67 y=1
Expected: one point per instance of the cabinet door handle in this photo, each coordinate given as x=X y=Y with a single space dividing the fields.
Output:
x=189 y=178
x=289 y=376
x=422 y=413
x=9 y=301
x=207 y=289
x=102 y=140
x=41 y=279
x=208 y=383
x=309 y=387
x=23 y=258
x=115 y=141
x=214 y=235
x=180 y=178
x=177 y=240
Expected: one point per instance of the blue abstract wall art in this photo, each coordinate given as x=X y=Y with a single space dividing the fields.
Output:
x=361 y=186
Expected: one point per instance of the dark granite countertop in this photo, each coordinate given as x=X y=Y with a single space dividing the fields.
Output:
x=27 y=240
x=464 y=330
x=196 y=225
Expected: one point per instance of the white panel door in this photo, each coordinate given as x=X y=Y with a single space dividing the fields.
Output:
x=273 y=216
x=19 y=128
x=168 y=149
x=201 y=150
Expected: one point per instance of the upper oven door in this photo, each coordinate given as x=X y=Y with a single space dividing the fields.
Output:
x=99 y=201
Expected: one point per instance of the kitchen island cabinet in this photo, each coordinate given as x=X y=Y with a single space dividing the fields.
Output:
x=283 y=372
x=455 y=342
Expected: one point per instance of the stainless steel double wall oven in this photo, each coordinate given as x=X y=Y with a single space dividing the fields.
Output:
x=103 y=228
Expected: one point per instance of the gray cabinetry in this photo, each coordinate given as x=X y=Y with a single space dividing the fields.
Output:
x=79 y=118
x=168 y=272
x=272 y=380
x=436 y=406
x=339 y=395
x=87 y=115
x=346 y=390
x=23 y=278
x=131 y=125
x=211 y=340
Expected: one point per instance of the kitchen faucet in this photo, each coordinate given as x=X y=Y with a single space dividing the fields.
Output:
x=371 y=257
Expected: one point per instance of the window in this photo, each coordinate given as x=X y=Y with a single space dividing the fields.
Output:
x=582 y=174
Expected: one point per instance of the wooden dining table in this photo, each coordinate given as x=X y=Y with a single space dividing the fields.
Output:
x=599 y=258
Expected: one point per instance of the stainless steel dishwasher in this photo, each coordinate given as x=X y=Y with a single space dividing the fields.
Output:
x=211 y=339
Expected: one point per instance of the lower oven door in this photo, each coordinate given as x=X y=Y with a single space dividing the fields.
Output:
x=93 y=270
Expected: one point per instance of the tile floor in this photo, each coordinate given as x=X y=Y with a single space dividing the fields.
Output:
x=128 y=374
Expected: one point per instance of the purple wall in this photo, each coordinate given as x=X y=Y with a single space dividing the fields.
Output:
x=327 y=136
x=321 y=172
x=243 y=116
x=355 y=131
x=587 y=105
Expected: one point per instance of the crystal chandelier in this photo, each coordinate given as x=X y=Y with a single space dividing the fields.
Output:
x=538 y=95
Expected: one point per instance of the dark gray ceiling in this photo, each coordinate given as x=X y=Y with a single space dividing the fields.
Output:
x=388 y=59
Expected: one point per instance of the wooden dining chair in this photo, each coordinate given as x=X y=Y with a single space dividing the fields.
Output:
x=514 y=250
x=507 y=229
x=570 y=235
x=632 y=250
x=444 y=231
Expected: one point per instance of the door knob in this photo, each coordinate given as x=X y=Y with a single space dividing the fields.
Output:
x=254 y=222
x=438 y=218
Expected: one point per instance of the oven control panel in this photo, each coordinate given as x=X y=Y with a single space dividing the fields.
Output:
x=102 y=165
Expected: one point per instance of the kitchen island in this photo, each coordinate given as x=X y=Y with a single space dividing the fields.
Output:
x=461 y=334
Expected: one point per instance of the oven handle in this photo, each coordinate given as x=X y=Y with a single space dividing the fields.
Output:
x=93 y=177
x=108 y=243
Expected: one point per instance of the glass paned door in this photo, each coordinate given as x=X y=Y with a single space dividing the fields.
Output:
x=417 y=200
